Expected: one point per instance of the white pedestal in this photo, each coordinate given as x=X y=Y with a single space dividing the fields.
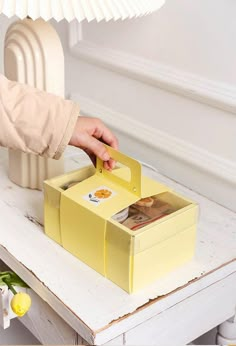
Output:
x=227 y=332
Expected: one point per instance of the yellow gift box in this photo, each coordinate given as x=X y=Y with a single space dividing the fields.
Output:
x=80 y=219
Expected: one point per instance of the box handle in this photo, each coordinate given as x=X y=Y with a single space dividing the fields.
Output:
x=134 y=185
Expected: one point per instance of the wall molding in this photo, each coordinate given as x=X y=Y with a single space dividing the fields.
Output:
x=213 y=93
x=160 y=141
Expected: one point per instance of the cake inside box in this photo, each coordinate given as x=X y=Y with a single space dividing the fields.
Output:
x=150 y=209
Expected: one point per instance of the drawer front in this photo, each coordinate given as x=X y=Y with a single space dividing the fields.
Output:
x=46 y=325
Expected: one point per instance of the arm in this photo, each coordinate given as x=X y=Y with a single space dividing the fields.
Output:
x=37 y=122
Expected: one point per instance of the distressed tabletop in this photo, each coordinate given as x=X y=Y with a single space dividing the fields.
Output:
x=95 y=307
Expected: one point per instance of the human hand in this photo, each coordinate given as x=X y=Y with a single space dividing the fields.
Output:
x=89 y=134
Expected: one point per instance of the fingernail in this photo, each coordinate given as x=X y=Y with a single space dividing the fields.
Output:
x=106 y=166
x=106 y=157
x=112 y=164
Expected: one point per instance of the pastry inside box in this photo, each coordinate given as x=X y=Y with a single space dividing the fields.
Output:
x=144 y=212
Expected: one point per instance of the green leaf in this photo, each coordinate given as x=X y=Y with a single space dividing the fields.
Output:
x=12 y=278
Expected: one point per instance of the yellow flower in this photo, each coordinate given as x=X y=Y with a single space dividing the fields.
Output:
x=103 y=193
x=20 y=303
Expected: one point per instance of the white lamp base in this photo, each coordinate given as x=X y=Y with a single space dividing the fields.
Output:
x=34 y=55
x=30 y=170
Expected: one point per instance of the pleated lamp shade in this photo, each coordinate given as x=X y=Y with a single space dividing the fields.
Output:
x=79 y=9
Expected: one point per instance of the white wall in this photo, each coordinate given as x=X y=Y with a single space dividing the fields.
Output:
x=166 y=85
x=193 y=36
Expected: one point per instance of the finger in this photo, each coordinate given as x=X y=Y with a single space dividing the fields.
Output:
x=93 y=145
x=105 y=135
x=111 y=163
x=106 y=165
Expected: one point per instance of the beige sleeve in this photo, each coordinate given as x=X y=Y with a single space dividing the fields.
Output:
x=34 y=121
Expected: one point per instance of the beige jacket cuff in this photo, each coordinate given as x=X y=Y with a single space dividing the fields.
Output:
x=68 y=131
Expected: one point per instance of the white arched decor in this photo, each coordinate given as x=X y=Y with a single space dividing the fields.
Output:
x=30 y=51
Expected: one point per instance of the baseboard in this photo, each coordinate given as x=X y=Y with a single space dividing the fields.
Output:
x=209 y=174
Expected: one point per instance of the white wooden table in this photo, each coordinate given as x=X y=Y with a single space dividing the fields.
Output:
x=72 y=304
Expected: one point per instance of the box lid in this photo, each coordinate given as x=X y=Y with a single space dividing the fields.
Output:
x=106 y=193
